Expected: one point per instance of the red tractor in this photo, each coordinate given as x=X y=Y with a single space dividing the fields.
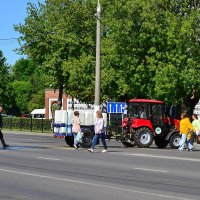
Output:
x=147 y=120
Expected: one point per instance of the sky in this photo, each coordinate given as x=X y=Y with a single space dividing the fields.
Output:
x=12 y=12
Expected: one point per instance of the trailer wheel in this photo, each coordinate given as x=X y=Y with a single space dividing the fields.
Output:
x=87 y=138
x=144 y=137
x=161 y=142
x=174 y=140
x=69 y=140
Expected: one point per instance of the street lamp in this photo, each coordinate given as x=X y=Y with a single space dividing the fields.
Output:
x=98 y=71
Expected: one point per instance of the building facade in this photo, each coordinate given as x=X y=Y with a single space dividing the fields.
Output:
x=51 y=98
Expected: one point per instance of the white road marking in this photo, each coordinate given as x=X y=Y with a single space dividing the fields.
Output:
x=152 y=170
x=31 y=140
x=163 y=157
x=96 y=185
x=44 y=158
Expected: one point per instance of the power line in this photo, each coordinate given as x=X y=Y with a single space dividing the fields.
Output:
x=9 y=42
x=8 y=39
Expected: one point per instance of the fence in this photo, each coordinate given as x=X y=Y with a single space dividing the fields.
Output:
x=45 y=125
x=27 y=124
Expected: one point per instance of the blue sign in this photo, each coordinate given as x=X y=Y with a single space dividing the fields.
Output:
x=116 y=107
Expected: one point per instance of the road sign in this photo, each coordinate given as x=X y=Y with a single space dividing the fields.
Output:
x=116 y=107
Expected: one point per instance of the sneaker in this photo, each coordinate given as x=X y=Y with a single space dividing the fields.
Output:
x=91 y=150
x=190 y=149
x=75 y=147
x=180 y=149
x=5 y=146
x=104 y=151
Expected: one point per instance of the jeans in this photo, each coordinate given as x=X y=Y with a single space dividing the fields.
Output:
x=1 y=134
x=96 y=138
x=183 y=141
x=75 y=135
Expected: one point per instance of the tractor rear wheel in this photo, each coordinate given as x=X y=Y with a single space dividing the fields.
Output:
x=161 y=142
x=144 y=137
x=174 y=140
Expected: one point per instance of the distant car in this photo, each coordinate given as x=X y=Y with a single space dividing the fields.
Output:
x=38 y=113
x=25 y=116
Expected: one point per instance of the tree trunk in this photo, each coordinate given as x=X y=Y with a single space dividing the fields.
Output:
x=190 y=102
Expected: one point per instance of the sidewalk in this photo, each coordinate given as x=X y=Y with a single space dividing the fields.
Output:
x=27 y=133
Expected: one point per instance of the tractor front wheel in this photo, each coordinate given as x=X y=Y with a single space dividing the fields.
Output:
x=144 y=137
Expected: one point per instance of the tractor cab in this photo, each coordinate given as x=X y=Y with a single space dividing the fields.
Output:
x=146 y=120
x=143 y=110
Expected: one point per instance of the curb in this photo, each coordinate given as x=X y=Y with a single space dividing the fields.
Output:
x=27 y=133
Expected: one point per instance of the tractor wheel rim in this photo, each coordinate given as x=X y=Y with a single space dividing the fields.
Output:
x=145 y=138
x=176 y=141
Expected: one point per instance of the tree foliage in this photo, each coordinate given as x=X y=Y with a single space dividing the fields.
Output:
x=21 y=91
x=4 y=82
x=27 y=86
x=153 y=49
x=149 y=48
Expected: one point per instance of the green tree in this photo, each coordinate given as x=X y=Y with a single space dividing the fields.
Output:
x=153 y=49
x=23 y=70
x=37 y=100
x=149 y=48
x=56 y=36
x=26 y=72
x=22 y=92
x=4 y=82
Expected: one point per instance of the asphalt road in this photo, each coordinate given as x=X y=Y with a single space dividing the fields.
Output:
x=41 y=167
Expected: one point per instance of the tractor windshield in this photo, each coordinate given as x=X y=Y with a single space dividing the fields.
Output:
x=138 y=110
x=146 y=110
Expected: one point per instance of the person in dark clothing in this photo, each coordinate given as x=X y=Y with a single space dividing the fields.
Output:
x=1 y=134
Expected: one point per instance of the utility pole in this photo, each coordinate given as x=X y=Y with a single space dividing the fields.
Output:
x=98 y=47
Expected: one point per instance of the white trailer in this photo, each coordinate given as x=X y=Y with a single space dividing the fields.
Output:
x=63 y=126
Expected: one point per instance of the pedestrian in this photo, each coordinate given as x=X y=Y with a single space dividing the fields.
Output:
x=185 y=130
x=76 y=128
x=99 y=129
x=196 y=124
x=1 y=126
